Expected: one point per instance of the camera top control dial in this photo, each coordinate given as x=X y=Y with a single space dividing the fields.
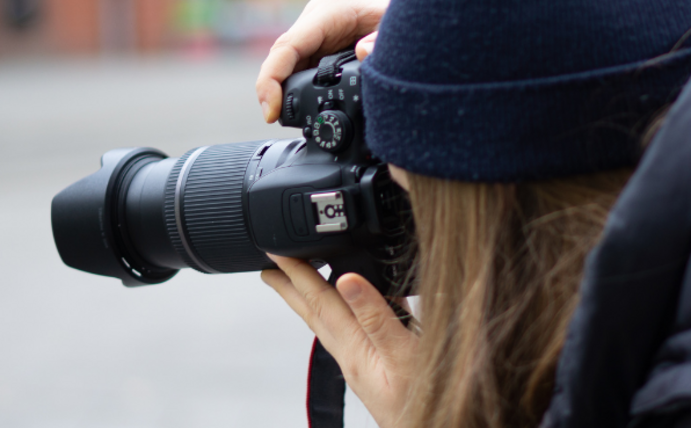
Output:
x=332 y=130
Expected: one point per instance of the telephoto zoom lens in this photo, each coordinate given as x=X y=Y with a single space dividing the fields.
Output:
x=144 y=216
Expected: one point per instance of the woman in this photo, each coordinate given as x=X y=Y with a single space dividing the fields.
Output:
x=514 y=126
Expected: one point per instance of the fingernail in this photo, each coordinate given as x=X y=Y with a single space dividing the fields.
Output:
x=266 y=110
x=350 y=291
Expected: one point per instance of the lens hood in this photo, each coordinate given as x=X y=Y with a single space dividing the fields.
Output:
x=89 y=225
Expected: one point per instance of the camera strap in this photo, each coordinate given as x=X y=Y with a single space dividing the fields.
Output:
x=325 y=384
x=330 y=67
x=325 y=390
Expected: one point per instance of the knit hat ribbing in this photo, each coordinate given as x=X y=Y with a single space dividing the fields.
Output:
x=504 y=91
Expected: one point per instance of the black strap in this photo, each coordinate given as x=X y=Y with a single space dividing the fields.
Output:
x=325 y=390
x=330 y=67
x=325 y=385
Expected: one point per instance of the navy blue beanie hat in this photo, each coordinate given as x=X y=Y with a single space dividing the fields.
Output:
x=514 y=90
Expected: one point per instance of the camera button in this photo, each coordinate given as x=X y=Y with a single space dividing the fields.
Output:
x=290 y=106
x=307 y=132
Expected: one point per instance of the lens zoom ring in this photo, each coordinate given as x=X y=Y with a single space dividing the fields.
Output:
x=214 y=209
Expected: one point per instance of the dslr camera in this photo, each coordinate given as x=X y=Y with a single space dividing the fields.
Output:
x=219 y=209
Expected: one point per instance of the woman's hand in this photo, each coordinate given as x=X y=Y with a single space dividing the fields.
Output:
x=358 y=328
x=324 y=27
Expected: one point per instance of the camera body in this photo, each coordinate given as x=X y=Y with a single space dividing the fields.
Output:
x=219 y=209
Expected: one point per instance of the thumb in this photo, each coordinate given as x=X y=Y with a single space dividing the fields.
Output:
x=365 y=46
x=373 y=313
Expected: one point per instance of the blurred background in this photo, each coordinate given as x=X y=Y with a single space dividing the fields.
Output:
x=196 y=27
x=78 y=78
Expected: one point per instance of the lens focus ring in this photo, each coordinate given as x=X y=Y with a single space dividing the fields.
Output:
x=205 y=209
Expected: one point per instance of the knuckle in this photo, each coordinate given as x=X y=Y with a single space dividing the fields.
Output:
x=372 y=323
x=282 y=41
x=285 y=283
x=286 y=49
x=292 y=267
x=314 y=299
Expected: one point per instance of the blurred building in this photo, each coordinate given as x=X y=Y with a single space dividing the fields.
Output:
x=38 y=27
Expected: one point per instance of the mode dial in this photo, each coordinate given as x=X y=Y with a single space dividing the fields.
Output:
x=332 y=130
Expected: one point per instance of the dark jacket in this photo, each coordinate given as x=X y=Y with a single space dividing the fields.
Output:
x=627 y=358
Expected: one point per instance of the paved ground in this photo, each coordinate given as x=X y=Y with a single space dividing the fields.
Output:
x=77 y=350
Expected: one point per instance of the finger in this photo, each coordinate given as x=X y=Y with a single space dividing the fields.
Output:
x=318 y=293
x=317 y=32
x=329 y=313
x=295 y=46
x=373 y=314
x=280 y=282
x=365 y=46
x=277 y=66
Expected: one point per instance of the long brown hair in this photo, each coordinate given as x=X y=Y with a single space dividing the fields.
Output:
x=498 y=273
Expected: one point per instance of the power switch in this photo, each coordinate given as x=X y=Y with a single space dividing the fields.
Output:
x=297 y=215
